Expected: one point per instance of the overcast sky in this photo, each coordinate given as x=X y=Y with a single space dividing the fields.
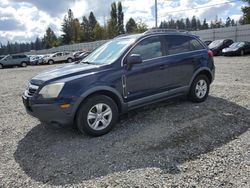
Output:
x=25 y=20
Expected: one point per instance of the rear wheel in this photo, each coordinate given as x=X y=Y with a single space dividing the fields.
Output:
x=242 y=53
x=51 y=62
x=199 y=89
x=23 y=64
x=1 y=66
x=97 y=115
x=69 y=60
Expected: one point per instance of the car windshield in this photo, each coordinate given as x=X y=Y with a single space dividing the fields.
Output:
x=5 y=57
x=237 y=44
x=215 y=43
x=110 y=51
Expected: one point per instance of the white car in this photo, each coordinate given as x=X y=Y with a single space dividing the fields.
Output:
x=59 y=57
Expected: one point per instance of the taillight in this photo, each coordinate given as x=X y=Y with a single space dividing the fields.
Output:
x=210 y=53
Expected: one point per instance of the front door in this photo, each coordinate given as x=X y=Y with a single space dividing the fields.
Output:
x=148 y=78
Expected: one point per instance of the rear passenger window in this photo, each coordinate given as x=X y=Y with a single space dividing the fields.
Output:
x=195 y=45
x=148 y=48
x=176 y=44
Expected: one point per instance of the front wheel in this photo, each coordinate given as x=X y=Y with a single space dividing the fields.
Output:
x=23 y=64
x=199 y=89
x=97 y=115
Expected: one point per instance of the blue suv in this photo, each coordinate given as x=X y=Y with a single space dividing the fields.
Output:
x=125 y=73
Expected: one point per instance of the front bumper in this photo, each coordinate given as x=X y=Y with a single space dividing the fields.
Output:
x=230 y=53
x=48 y=113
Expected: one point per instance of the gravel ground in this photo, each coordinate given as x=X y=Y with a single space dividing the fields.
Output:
x=170 y=144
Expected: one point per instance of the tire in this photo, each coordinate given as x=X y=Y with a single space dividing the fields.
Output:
x=1 y=66
x=69 y=60
x=50 y=62
x=242 y=53
x=92 y=122
x=23 y=64
x=199 y=89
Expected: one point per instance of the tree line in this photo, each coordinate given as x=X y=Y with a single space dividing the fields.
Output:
x=89 y=29
x=195 y=24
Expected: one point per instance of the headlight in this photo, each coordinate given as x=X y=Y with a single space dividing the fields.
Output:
x=51 y=90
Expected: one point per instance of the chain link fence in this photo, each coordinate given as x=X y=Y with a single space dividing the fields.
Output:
x=236 y=33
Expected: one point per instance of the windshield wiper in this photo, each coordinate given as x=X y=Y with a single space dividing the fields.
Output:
x=87 y=62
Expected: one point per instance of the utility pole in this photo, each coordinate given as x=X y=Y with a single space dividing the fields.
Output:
x=156 y=14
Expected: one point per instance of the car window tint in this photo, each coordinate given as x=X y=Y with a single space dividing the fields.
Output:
x=176 y=44
x=195 y=45
x=148 y=48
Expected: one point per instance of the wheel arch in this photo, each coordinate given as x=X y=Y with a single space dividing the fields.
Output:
x=205 y=71
x=101 y=90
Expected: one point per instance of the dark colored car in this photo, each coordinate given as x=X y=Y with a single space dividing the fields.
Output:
x=218 y=45
x=36 y=60
x=125 y=73
x=237 y=48
x=207 y=42
x=82 y=56
x=14 y=60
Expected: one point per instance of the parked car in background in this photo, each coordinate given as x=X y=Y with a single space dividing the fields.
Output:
x=36 y=60
x=218 y=45
x=77 y=53
x=82 y=56
x=14 y=60
x=207 y=42
x=123 y=74
x=59 y=57
x=237 y=48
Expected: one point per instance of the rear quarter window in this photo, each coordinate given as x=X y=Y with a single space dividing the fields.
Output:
x=176 y=44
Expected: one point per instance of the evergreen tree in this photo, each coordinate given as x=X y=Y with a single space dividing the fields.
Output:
x=205 y=24
x=77 y=31
x=188 y=24
x=92 y=24
x=85 y=29
x=113 y=22
x=131 y=26
x=99 y=32
x=120 y=21
x=49 y=39
x=198 y=24
x=194 y=23
x=228 y=22
x=246 y=13
x=68 y=28
x=38 y=44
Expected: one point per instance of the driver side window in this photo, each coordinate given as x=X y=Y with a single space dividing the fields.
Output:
x=148 y=48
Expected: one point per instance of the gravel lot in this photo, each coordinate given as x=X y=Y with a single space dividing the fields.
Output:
x=171 y=144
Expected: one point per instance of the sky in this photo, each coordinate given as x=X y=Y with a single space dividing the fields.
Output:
x=23 y=21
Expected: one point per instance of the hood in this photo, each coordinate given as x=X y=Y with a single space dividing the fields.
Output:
x=230 y=49
x=63 y=72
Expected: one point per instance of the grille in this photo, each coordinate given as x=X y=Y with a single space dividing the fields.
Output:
x=32 y=89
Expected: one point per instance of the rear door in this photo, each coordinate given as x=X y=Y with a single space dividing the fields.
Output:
x=184 y=54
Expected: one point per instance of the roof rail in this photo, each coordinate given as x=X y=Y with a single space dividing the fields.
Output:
x=122 y=35
x=154 y=30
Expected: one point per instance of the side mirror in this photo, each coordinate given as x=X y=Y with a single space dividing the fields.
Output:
x=134 y=59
